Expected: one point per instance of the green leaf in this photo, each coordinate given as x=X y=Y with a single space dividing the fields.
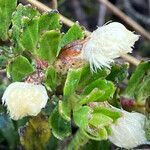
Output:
x=78 y=140
x=99 y=120
x=6 y=10
x=138 y=85
x=81 y=116
x=51 y=78
x=64 y=108
x=61 y=128
x=97 y=134
x=8 y=131
x=35 y=134
x=94 y=96
x=19 y=68
x=74 y=33
x=20 y=27
x=103 y=135
x=144 y=90
x=99 y=90
x=118 y=73
x=49 y=45
x=67 y=105
x=49 y=21
x=72 y=81
x=147 y=120
x=3 y=61
x=30 y=35
x=97 y=145
x=88 y=77
x=108 y=112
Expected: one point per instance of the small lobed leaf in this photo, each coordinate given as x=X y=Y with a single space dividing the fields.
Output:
x=19 y=68
x=94 y=96
x=21 y=15
x=108 y=112
x=49 y=21
x=51 y=78
x=98 y=90
x=97 y=134
x=144 y=90
x=68 y=104
x=99 y=120
x=88 y=77
x=138 y=85
x=49 y=45
x=6 y=10
x=74 y=33
x=81 y=116
x=61 y=128
x=30 y=35
x=73 y=78
x=118 y=73
x=35 y=134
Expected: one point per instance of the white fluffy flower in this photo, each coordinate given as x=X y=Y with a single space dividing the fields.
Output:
x=23 y=99
x=106 y=43
x=128 y=132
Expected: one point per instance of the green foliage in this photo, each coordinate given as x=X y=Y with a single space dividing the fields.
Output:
x=49 y=45
x=147 y=120
x=25 y=28
x=138 y=87
x=98 y=90
x=7 y=131
x=72 y=80
x=19 y=68
x=79 y=98
x=118 y=73
x=38 y=130
x=51 y=78
x=97 y=145
x=108 y=112
x=61 y=128
x=74 y=33
x=88 y=77
x=80 y=116
x=95 y=122
x=6 y=10
x=49 y=21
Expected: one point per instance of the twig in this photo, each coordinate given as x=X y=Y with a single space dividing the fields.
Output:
x=102 y=12
x=130 y=59
x=126 y=19
x=68 y=22
x=54 y=4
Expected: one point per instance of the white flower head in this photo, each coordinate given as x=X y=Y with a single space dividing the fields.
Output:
x=106 y=43
x=24 y=99
x=128 y=132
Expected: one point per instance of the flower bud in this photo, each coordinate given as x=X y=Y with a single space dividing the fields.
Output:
x=128 y=132
x=106 y=43
x=24 y=99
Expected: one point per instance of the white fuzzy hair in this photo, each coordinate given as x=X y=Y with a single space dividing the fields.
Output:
x=128 y=132
x=24 y=99
x=106 y=43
